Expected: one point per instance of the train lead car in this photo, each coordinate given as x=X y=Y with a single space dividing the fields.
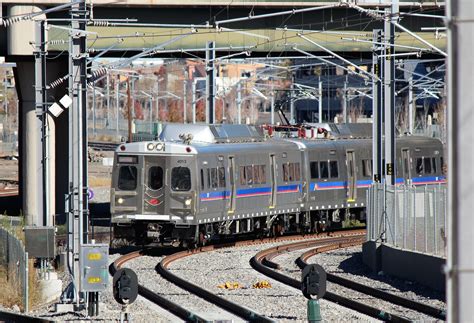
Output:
x=201 y=181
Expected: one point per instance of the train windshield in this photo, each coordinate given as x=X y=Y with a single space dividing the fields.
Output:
x=127 y=180
x=155 y=177
x=180 y=179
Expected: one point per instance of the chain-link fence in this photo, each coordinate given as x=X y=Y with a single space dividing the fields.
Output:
x=14 y=261
x=412 y=218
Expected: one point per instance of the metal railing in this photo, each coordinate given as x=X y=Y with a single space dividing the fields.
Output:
x=14 y=259
x=408 y=217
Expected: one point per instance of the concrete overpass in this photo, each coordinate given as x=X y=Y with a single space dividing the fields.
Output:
x=272 y=35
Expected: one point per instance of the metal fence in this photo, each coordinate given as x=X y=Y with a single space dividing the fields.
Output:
x=14 y=259
x=407 y=217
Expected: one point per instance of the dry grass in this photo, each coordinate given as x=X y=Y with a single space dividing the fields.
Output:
x=34 y=293
x=99 y=181
x=11 y=290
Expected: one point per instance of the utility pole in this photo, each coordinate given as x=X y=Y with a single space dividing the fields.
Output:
x=210 y=83
x=320 y=101
x=460 y=263
x=93 y=109
x=185 y=96
x=411 y=105
x=377 y=108
x=129 y=111
x=272 y=106
x=389 y=93
x=239 y=102
x=194 y=100
x=108 y=101
x=344 y=103
x=292 y=102
x=42 y=191
x=117 y=105
x=77 y=197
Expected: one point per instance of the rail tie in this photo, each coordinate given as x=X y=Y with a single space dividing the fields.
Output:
x=172 y=307
x=433 y=311
x=257 y=263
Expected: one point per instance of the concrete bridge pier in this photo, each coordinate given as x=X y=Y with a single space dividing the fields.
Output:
x=31 y=191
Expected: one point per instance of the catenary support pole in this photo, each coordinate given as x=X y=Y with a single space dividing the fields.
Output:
x=210 y=83
x=460 y=262
x=377 y=109
x=78 y=215
x=320 y=101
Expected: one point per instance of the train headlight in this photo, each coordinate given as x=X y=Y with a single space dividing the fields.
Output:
x=187 y=202
x=120 y=200
x=160 y=146
x=150 y=146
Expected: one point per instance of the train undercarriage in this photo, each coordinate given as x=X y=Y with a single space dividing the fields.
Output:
x=167 y=233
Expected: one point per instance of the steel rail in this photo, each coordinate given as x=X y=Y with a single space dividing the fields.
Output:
x=170 y=306
x=438 y=313
x=257 y=263
x=241 y=311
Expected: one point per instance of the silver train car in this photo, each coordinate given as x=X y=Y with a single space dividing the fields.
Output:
x=202 y=181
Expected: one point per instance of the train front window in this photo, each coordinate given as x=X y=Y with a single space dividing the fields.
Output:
x=180 y=179
x=155 y=177
x=127 y=180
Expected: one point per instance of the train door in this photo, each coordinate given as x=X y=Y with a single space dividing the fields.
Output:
x=233 y=189
x=154 y=185
x=351 y=176
x=406 y=169
x=273 y=175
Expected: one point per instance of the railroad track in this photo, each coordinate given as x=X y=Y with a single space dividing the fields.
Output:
x=263 y=263
x=433 y=311
x=163 y=269
x=102 y=145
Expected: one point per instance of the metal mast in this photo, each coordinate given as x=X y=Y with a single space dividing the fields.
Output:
x=77 y=197
x=210 y=83
x=460 y=271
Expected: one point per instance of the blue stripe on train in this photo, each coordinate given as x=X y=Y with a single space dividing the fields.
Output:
x=249 y=192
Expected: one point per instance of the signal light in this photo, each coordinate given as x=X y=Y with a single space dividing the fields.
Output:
x=122 y=147
x=188 y=149
x=153 y=201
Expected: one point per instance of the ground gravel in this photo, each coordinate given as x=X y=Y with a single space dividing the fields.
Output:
x=141 y=310
x=280 y=302
x=348 y=264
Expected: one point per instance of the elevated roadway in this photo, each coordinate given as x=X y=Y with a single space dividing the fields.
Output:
x=274 y=36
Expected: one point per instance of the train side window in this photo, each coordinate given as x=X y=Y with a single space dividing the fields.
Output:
x=419 y=165
x=214 y=177
x=202 y=179
x=333 y=171
x=297 y=172
x=291 y=167
x=127 y=180
x=221 y=176
x=323 y=169
x=427 y=162
x=208 y=178
x=262 y=173
x=256 y=174
x=285 y=172
x=433 y=162
x=155 y=177
x=180 y=179
x=366 y=168
x=314 y=169
x=248 y=171
x=243 y=179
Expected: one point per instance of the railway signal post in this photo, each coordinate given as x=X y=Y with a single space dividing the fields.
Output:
x=313 y=283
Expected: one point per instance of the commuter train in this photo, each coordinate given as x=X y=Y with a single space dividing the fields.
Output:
x=201 y=181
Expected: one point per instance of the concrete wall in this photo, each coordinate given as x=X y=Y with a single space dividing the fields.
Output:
x=422 y=268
